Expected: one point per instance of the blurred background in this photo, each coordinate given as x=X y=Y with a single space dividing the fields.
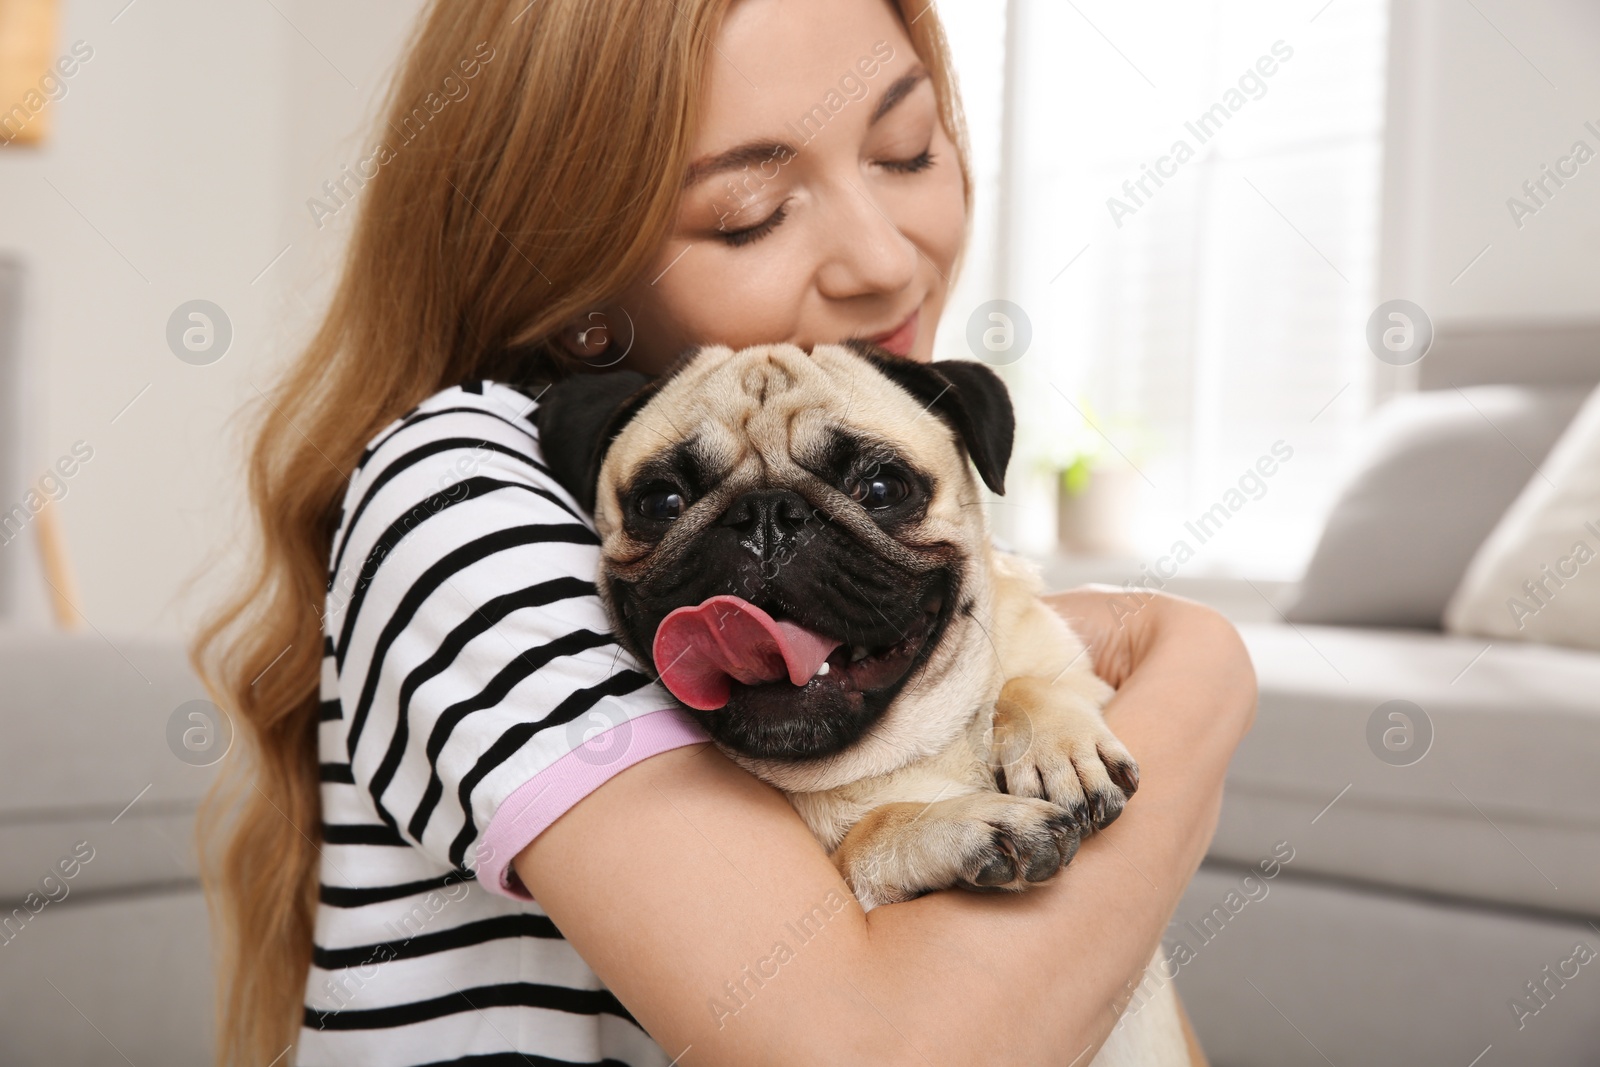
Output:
x=1300 y=306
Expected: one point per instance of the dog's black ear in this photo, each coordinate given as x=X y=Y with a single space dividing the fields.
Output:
x=579 y=417
x=968 y=395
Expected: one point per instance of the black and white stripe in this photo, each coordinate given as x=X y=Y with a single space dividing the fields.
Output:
x=463 y=641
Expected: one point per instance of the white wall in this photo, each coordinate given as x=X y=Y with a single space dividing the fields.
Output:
x=1482 y=95
x=186 y=146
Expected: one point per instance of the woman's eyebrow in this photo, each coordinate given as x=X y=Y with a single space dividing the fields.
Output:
x=898 y=90
x=737 y=159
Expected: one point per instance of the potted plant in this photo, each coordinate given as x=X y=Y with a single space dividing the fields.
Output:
x=1097 y=488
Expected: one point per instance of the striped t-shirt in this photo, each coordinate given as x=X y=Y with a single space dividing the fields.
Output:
x=471 y=693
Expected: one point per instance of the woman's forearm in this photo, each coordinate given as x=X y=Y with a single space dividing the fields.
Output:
x=1025 y=976
x=699 y=897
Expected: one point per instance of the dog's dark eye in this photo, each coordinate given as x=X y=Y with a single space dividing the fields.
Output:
x=879 y=491
x=662 y=505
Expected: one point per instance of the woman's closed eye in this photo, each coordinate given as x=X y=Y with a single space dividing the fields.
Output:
x=919 y=162
x=749 y=234
x=742 y=237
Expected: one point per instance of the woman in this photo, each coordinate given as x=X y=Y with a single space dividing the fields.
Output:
x=564 y=185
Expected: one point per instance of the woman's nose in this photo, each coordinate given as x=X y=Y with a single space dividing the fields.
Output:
x=866 y=251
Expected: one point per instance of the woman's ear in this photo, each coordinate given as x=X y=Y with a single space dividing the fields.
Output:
x=578 y=418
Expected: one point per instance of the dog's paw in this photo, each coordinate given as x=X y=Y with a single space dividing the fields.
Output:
x=1017 y=844
x=1057 y=748
x=984 y=841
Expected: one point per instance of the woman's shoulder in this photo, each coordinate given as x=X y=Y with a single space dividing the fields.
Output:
x=458 y=433
x=458 y=413
x=459 y=466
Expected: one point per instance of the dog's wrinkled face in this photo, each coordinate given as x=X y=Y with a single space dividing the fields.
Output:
x=829 y=490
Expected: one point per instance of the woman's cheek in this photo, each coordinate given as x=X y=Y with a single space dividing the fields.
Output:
x=936 y=219
x=751 y=295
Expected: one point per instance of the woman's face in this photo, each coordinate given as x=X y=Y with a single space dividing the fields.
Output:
x=824 y=201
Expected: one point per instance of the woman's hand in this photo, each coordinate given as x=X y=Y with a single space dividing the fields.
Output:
x=1122 y=625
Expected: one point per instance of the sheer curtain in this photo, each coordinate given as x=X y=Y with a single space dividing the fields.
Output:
x=1186 y=206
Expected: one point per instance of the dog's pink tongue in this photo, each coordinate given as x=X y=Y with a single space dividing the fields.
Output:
x=701 y=651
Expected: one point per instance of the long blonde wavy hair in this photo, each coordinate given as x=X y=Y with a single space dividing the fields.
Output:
x=541 y=193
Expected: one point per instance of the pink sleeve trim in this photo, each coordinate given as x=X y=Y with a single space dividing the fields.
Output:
x=519 y=819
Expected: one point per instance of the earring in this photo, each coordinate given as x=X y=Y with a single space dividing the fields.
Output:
x=602 y=328
x=596 y=344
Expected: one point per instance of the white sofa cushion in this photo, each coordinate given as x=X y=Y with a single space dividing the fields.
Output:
x=1537 y=577
x=1504 y=806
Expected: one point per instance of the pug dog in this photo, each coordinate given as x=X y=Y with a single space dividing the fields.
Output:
x=796 y=542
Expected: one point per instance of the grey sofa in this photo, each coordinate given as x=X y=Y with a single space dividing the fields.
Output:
x=1421 y=899
x=103 y=940
x=1432 y=912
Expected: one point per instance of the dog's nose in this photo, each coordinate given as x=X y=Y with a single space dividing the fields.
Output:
x=768 y=520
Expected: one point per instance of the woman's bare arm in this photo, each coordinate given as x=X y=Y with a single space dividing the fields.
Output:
x=701 y=899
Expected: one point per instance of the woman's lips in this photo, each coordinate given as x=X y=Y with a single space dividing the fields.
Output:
x=899 y=340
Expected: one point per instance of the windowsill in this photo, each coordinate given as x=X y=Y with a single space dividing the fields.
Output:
x=1242 y=597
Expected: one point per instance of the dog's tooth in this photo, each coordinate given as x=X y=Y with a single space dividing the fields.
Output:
x=858 y=652
x=822 y=670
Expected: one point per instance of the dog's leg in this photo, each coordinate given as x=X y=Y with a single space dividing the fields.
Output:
x=1048 y=737
x=983 y=840
x=1050 y=742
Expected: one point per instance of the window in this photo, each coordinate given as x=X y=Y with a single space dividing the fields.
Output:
x=1188 y=200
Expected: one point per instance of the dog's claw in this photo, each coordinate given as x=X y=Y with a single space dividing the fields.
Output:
x=1067 y=756
x=1124 y=772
